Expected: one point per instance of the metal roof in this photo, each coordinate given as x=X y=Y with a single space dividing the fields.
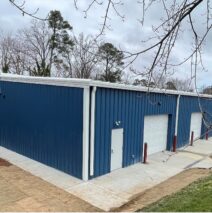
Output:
x=82 y=83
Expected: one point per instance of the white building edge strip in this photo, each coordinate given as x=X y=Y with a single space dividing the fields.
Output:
x=177 y=114
x=86 y=119
x=81 y=83
x=92 y=133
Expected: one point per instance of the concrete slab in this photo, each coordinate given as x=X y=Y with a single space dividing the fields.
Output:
x=204 y=164
x=53 y=176
x=98 y=196
x=114 y=189
x=203 y=147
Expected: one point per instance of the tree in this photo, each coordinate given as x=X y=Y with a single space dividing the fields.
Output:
x=164 y=82
x=143 y=82
x=44 y=43
x=170 y=85
x=36 y=46
x=60 y=40
x=12 y=59
x=19 y=59
x=6 y=44
x=112 y=61
x=80 y=60
x=182 y=84
x=207 y=90
x=176 y=17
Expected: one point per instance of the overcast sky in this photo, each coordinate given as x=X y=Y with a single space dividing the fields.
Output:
x=128 y=34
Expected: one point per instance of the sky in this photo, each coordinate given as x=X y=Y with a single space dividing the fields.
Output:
x=127 y=35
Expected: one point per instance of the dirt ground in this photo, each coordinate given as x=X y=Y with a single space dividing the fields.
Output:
x=21 y=191
x=168 y=187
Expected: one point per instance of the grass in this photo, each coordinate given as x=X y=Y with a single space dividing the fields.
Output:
x=197 y=197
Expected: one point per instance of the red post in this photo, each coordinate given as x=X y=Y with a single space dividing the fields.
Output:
x=206 y=136
x=175 y=144
x=192 y=138
x=145 y=152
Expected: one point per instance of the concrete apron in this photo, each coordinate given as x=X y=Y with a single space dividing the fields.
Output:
x=117 y=188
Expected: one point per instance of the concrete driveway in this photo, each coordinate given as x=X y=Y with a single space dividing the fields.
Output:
x=120 y=186
x=115 y=189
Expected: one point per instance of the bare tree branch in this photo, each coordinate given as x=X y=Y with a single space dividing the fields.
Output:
x=24 y=12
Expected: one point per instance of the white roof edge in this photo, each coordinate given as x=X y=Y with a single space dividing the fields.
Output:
x=82 y=83
x=67 y=82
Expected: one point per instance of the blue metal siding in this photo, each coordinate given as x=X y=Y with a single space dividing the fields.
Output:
x=206 y=105
x=44 y=123
x=188 y=105
x=129 y=107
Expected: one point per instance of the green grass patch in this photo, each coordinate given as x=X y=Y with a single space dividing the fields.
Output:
x=197 y=197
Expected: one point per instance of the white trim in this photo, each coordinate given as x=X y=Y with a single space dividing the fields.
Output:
x=81 y=83
x=44 y=80
x=86 y=114
x=177 y=115
x=92 y=134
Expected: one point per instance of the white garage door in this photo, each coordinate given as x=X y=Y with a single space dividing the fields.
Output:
x=196 y=124
x=155 y=133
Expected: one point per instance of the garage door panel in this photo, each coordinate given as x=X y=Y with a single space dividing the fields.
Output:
x=196 y=124
x=155 y=133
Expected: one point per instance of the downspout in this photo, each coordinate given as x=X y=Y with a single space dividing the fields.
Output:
x=176 y=124
x=92 y=131
x=177 y=115
x=86 y=122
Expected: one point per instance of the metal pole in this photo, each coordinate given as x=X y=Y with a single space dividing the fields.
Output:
x=206 y=136
x=192 y=138
x=145 y=152
x=175 y=144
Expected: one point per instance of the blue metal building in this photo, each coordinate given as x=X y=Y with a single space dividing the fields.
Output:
x=88 y=128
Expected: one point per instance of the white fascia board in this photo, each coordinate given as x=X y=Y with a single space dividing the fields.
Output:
x=81 y=83
x=45 y=80
x=86 y=122
x=145 y=89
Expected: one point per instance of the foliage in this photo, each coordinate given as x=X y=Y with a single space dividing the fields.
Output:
x=112 y=60
x=41 y=69
x=207 y=90
x=143 y=82
x=5 y=68
x=165 y=83
x=170 y=85
x=80 y=61
x=60 y=40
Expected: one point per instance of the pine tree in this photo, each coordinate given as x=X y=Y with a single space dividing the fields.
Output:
x=112 y=60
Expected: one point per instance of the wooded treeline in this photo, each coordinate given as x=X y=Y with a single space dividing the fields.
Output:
x=50 y=48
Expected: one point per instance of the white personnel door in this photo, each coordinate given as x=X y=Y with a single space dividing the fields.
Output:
x=155 y=133
x=196 y=124
x=116 y=149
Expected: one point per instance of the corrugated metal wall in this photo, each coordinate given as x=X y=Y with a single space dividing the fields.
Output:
x=129 y=107
x=44 y=123
x=188 y=105
x=206 y=105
